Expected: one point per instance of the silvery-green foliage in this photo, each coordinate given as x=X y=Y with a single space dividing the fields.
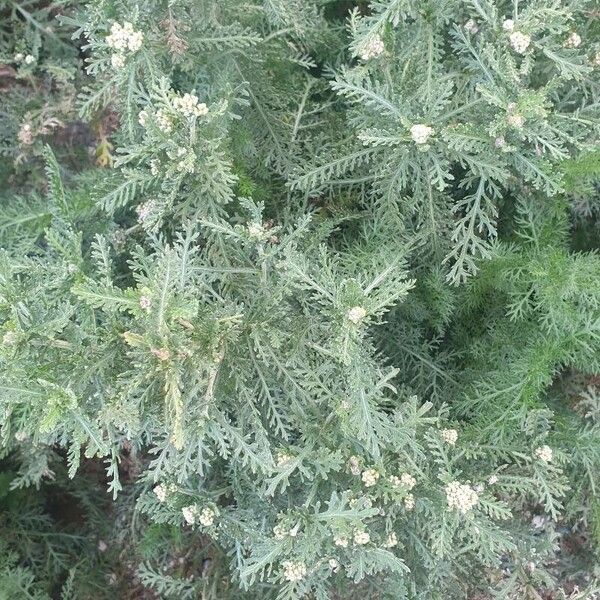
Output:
x=325 y=295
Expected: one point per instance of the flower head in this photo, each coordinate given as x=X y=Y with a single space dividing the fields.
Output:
x=117 y=61
x=461 y=497
x=421 y=133
x=294 y=570
x=408 y=481
x=164 y=121
x=145 y=210
x=283 y=458
x=207 y=517
x=370 y=477
x=161 y=492
x=341 y=541
x=134 y=42
x=392 y=541
x=256 y=230
x=449 y=436
x=516 y=120
x=373 y=48
x=508 y=25
x=361 y=538
x=117 y=39
x=124 y=37
x=143 y=117
x=544 y=453
x=356 y=314
x=519 y=41
x=190 y=514
x=471 y=26
x=573 y=41
x=280 y=532
x=189 y=106
x=145 y=303
x=154 y=166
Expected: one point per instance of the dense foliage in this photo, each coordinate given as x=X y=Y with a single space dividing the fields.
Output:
x=299 y=299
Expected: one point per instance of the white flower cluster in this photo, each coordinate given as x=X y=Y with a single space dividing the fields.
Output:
x=145 y=210
x=184 y=158
x=519 y=41
x=573 y=41
x=370 y=477
x=187 y=105
x=516 y=120
x=280 y=532
x=471 y=26
x=10 y=338
x=161 y=492
x=341 y=541
x=449 y=436
x=461 y=497
x=409 y=502
x=164 y=121
x=334 y=565
x=361 y=538
x=544 y=453
x=421 y=133
x=21 y=436
x=392 y=541
x=207 y=517
x=190 y=513
x=256 y=231
x=29 y=59
x=493 y=479
x=408 y=481
x=356 y=314
x=282 y=458
x=373 y=48
x=294 y=570
x=596 y=60
x=123 y=38
x=513 y=118
x=145 y=303
x=154 y=166
x=190 y=106
x=508 y=25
